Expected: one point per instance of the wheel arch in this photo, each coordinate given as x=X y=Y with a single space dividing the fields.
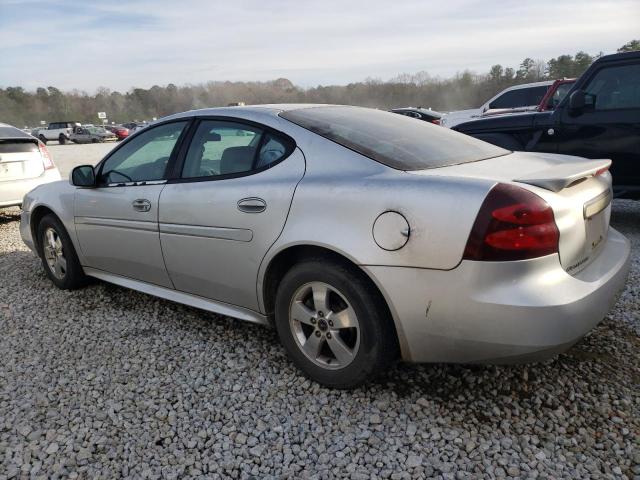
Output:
x=282 y=261
x=37 y=214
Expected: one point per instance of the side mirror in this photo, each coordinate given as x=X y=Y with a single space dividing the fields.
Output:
x=577 y=101
x=83 y=176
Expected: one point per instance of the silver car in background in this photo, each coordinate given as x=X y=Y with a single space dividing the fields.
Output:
x=25 y=163
x=363 y=235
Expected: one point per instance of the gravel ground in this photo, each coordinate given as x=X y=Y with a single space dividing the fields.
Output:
x=107 y=383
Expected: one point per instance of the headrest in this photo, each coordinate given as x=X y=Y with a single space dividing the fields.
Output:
x=236 y=160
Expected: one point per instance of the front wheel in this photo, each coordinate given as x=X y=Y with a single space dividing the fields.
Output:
x=43 y=139
x=58 y=256
x=333 y=324
x=62 y=139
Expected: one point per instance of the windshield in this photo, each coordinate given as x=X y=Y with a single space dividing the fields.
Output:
x=96 y=130
x=394 y=140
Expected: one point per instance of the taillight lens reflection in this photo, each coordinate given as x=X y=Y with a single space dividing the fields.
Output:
x=512 y=224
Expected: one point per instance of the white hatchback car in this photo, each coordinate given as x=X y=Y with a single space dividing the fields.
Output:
x=25 y=163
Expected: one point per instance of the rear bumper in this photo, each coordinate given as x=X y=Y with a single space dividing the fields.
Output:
x=501 y=312
x=12 y=192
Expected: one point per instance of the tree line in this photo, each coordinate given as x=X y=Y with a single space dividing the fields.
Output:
x=464 y=90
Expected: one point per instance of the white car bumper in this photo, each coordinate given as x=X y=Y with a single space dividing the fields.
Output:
x=12 y=192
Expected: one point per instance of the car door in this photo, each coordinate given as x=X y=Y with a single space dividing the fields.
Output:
x=229 y=205
x=609 y=124
x=82 y=135
x=117 y=222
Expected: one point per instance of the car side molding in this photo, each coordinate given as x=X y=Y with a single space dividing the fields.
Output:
x=214 y=306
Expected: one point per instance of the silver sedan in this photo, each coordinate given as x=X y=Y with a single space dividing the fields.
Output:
x=362 y=235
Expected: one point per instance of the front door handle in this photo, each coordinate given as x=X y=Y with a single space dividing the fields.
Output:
x=141 y=205
x=252 y=205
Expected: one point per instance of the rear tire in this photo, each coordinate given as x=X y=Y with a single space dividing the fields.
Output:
x=58 y=255
x=43 y=139
x=62 y=139
x=333 y=325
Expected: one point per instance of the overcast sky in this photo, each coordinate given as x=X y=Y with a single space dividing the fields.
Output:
x=121 y=44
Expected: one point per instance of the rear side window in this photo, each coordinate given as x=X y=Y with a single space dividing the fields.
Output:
x=393 y=140
x=221 y=148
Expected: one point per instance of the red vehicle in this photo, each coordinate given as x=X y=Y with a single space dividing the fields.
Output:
x=119 y=131
x=556 y=92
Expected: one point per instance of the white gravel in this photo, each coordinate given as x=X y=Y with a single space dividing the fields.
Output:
x=108 y=383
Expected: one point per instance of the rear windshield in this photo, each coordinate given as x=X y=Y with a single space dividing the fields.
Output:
x=18 y=146
x=394 y=140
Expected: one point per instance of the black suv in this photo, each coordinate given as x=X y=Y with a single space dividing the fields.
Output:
x=598 y=118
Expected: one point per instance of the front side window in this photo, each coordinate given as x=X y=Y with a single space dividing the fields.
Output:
x=227 y=148
x=614 y=88
x=393 y=140
x=143 y=158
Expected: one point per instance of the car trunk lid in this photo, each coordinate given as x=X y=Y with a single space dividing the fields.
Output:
x=577 y=189
x=20 y=159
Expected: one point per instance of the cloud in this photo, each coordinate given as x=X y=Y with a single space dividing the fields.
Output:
x=143 y=42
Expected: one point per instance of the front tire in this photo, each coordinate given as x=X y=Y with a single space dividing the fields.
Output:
x=43 y=139
x=333 y=324
x=58 y=255
x=62 y=139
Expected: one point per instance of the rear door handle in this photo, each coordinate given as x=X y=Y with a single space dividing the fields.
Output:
x=252 y=205
x=141 y=205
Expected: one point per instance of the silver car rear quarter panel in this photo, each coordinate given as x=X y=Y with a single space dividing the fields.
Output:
x=501 y=311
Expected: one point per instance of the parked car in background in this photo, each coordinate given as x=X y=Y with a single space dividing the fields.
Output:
x=57 y=131
x=517 y=98
x=362 y=234
x=120 y=132
x=91 y=134
x=420 y=113
x=138 y=127
x=25 y=163
x=35 y=132
x=598 y=118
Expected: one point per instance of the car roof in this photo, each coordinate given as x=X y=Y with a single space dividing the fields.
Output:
x=530 y=85
x=618 y=56
x=270 y=109
x=9 y=131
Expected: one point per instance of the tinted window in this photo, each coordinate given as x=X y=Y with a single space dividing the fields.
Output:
x=18 y=146
x=143 y=158
x=522 y=97
x=225 y=148
x=394 y=140
x=615 y=88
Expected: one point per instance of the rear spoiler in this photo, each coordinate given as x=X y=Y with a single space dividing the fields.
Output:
x=562 y=175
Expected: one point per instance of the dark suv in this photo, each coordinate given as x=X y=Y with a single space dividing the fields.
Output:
x=598 y=118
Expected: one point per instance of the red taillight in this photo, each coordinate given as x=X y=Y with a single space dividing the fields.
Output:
x=436 y=121
x=513 y=224
x=602 y=170
x=46 y=158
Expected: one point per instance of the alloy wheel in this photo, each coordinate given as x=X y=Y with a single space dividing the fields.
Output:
x=54 y=253
x=324 y=325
